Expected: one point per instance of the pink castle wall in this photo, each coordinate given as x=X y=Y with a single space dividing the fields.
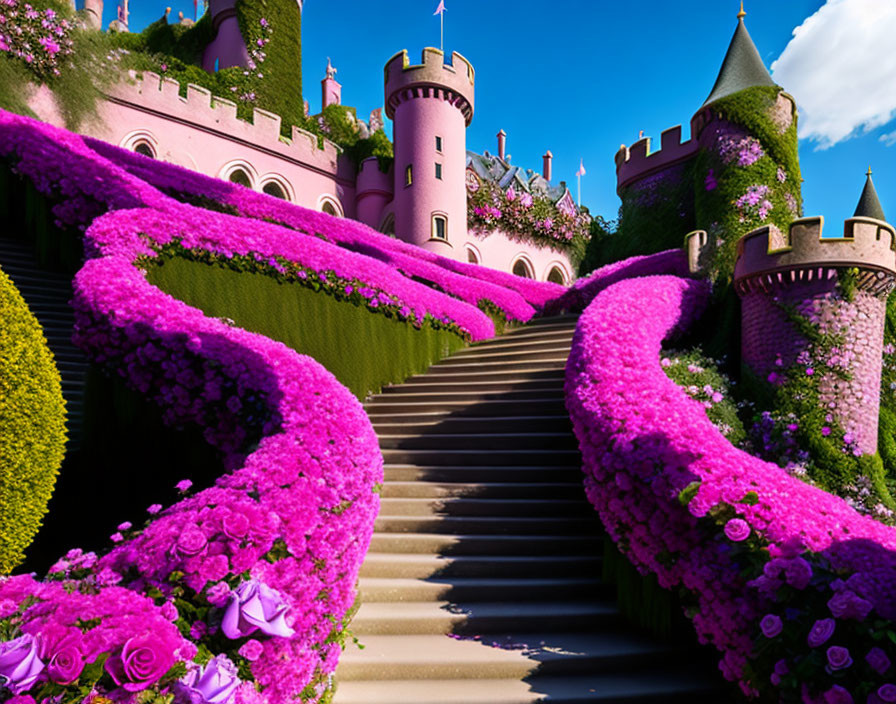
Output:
x=498 y=251
x=228 y=48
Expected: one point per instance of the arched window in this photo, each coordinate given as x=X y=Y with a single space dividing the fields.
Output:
x=272 y=188
x=241 y=177
x=145 y=148
x=439 y=226
x=556 y=276
x=330 y=205
x=388 y=226
x=329 y=209
x=471 y=257
x=408 y=175
x=521 y=268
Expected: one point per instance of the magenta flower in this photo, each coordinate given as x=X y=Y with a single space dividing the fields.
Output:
x=254 y=606
x=251 y=650
x=838 y=695
x=737 y=530
x=141 y=663
x=183 y=485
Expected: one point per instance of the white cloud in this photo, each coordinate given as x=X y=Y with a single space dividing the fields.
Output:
x=841 y=68
x=889 y=139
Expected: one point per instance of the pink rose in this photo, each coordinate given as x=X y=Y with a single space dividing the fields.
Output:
x=737 y=530
x=140 y=664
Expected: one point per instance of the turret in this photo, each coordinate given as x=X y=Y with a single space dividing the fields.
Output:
x=801 y=273
x=228 y=48
x=330 y=88
x=93 y=13
x=431 y=105
x=869 y=204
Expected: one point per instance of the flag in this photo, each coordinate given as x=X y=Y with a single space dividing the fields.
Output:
x=195 y=10
x=581 y=171
x=441 y=8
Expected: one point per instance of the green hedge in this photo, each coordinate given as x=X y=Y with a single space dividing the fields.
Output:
x=364 y=351
x=32 y=425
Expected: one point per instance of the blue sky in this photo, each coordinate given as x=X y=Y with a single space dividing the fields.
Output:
x=581 y=77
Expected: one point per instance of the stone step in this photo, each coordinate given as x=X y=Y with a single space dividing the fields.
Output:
x=446 y=377
x=483 y=490
x=488 y=525
x=539 y=341
x=484 y=457
x=399 y=424
x=467 y=396
x=476 y=387
x=555 y=361
x=460 y=506
x=480 y=441
x=421 y=566
x=454 y=544
x=435 y=617
x=419 y=657
x=659 y=685
x=404 y=472
x=558 y=351
x=457 y=589
x=486 y=407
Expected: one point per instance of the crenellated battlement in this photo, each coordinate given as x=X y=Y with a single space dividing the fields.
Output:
x=432 y=77
x=161 y=97
x=767 y=256
x=637 y=161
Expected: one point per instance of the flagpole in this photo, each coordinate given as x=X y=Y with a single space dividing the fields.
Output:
x=580 y=189
x=442 y=32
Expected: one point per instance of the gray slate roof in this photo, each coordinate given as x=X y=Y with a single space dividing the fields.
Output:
x=869 y=204
x=741 y=69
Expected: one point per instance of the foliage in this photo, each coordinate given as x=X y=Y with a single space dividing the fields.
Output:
x=701 y=379
x=655 y=215
x=596 y=252
x=32 y=425
x=747 y=175
x=315 y=318
x=528 y=218
x=886 y=442
x=339 y=124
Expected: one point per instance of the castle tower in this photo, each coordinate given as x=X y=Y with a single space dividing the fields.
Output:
x=777 y=276
x=93 y=13
x=431 y=105
x=869 y=204
x=228 y=48
x=330 y=88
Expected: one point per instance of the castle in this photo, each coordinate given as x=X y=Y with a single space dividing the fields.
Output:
x=421 y=199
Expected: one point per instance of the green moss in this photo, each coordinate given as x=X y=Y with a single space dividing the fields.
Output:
x=280 y=91
x=719 y=185
x=32 y=425
x=365 y=351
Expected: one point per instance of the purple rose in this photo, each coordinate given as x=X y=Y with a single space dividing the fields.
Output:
x=737 y=529
x=887 y=692
x=140 y=664
x=214 y=683
x=837 y=695
x=798 y=573
x=19 y=664
x=877 y=660
x=254 y=606
x=771 y=625
x=838 y=658
x=847 y=604
x=821 y=631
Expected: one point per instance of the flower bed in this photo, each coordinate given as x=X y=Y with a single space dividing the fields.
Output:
x=794 y=587
x=354 y=235
x=228 y=584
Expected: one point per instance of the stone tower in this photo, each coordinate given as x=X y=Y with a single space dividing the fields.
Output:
x=431 y=105
x=228 y=48
x=800 y=272
x=93 y=13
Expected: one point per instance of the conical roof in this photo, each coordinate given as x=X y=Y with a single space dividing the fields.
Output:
x=869 y=204
x=742 y=67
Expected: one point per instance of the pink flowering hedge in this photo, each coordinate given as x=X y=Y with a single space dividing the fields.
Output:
x=468 y=282
x=795 y=588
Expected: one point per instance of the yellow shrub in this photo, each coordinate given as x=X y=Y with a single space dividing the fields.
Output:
x=32 y=425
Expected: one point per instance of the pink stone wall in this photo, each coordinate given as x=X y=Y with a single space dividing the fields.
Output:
x=416 y=123
x=498 y=251
x=767 y=335
x=374 y=192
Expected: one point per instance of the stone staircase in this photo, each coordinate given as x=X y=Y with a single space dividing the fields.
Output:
x=47 y=295
x=482 y=584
